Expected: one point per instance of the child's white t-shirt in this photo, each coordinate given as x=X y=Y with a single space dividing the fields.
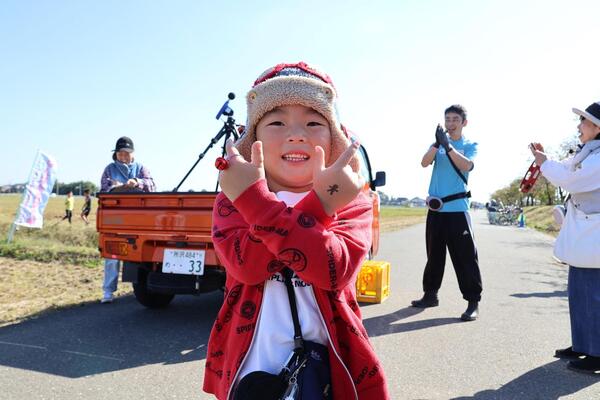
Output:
x=274 y=337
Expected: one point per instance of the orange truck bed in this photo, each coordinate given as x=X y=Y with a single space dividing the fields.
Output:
x=138 y=227
x=142 y=228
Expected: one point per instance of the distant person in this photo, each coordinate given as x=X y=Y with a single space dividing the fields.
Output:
x=87 y=206
x=448 y=222
x=577 y=242
x=69 y=206
x=123 y=174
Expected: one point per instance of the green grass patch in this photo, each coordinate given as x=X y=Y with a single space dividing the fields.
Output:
x=399 y=212
x=75 y=243
x=394 y=218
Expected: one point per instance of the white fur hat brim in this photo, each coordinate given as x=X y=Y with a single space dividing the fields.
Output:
x=293 y=90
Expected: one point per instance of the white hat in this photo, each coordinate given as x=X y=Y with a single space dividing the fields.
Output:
x=592 y=113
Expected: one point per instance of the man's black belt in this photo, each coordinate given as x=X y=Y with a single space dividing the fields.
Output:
x=435 y=203
x=456 y=196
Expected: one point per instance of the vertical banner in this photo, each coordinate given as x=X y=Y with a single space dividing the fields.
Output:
x=37 y=192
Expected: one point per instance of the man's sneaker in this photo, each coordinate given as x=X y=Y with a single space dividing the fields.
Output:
x=472 y=312
x=568 y=353
x=588 y=365
x=107 y=298
x=428 y=300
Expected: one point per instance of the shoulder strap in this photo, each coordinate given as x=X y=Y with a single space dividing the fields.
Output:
x=460 y=174
x=298 y=340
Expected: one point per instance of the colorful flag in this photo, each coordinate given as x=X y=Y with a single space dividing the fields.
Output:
x=37 y=192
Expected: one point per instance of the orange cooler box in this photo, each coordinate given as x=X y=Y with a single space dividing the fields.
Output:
x=373 y=282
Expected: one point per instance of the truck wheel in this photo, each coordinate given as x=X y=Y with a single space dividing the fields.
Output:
x=150 y=299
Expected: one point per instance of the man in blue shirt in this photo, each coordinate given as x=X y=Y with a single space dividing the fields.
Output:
x=448 y=221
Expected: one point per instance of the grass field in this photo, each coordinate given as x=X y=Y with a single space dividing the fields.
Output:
x=59 y=265
x=49 y=268
x=540 y=218
x=57 y=241
x=394 y=218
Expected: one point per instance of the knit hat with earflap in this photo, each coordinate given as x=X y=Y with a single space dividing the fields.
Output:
x=294 y=84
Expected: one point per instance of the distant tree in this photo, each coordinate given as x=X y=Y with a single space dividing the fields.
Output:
x=566 y=149
x=76 y=187
x=385 y=199
x=510 y=195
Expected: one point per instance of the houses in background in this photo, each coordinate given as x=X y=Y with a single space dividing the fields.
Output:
x=401 y=201
x=17 y=188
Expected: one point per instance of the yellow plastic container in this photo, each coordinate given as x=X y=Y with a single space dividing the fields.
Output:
x=373 y=282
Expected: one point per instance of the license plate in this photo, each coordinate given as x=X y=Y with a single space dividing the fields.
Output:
x=181 y=261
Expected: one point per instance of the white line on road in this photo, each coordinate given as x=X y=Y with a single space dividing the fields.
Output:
x=185 y=352
x=24 y=345
x=92 y=355
x=30 y=346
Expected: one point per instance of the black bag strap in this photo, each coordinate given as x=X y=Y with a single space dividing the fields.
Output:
x=298 y=340
x=460 y=174
x=456 y=196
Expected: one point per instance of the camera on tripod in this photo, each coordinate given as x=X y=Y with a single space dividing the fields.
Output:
x=229 y=129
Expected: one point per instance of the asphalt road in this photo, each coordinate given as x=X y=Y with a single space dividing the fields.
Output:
x=124 y=351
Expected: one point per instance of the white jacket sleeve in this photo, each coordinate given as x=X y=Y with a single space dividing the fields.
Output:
x=586 y=178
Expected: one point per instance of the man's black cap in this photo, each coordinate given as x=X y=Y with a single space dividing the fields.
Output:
x=124 y=144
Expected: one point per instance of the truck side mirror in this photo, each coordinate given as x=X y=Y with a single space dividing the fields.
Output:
x=379 y=180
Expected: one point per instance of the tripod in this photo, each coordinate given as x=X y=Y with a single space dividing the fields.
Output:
x=228 y=130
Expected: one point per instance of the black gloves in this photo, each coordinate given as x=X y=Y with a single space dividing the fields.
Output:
x=441 y=139
x=437 y=144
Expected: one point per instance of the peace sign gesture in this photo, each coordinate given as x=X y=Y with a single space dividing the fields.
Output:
x=338 y=184
x=241 y=174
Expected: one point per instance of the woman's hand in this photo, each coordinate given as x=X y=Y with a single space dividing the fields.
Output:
x=337 y=185
x=538 y=152
x=241 y=174
x=132 y=183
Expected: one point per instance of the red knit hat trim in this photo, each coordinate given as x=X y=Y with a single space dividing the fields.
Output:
x=301 y=65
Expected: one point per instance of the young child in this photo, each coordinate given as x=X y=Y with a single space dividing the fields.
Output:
x=87 y=206
x=292 y=198
x=69 y=206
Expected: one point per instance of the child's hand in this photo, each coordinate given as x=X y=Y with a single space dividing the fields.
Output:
x=337 y=185
x=241 y=174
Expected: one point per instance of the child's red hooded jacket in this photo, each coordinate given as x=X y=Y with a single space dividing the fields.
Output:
x=258 y=236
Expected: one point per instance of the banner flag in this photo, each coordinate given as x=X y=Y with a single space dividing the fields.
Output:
x=37 y=192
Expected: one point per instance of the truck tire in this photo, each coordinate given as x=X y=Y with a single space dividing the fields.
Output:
x=148 y=298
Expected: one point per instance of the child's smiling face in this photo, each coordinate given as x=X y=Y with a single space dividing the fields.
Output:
x=289 y=135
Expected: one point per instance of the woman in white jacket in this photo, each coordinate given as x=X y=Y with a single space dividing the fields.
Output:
x=578 y=243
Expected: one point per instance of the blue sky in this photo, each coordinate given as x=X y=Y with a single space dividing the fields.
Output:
x=76 y=75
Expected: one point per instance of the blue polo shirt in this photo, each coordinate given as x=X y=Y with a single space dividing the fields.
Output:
x=444 y=179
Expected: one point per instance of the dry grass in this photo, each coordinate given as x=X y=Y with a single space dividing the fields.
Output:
x=49 y=268
x=30 y=288
x=540 y=218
